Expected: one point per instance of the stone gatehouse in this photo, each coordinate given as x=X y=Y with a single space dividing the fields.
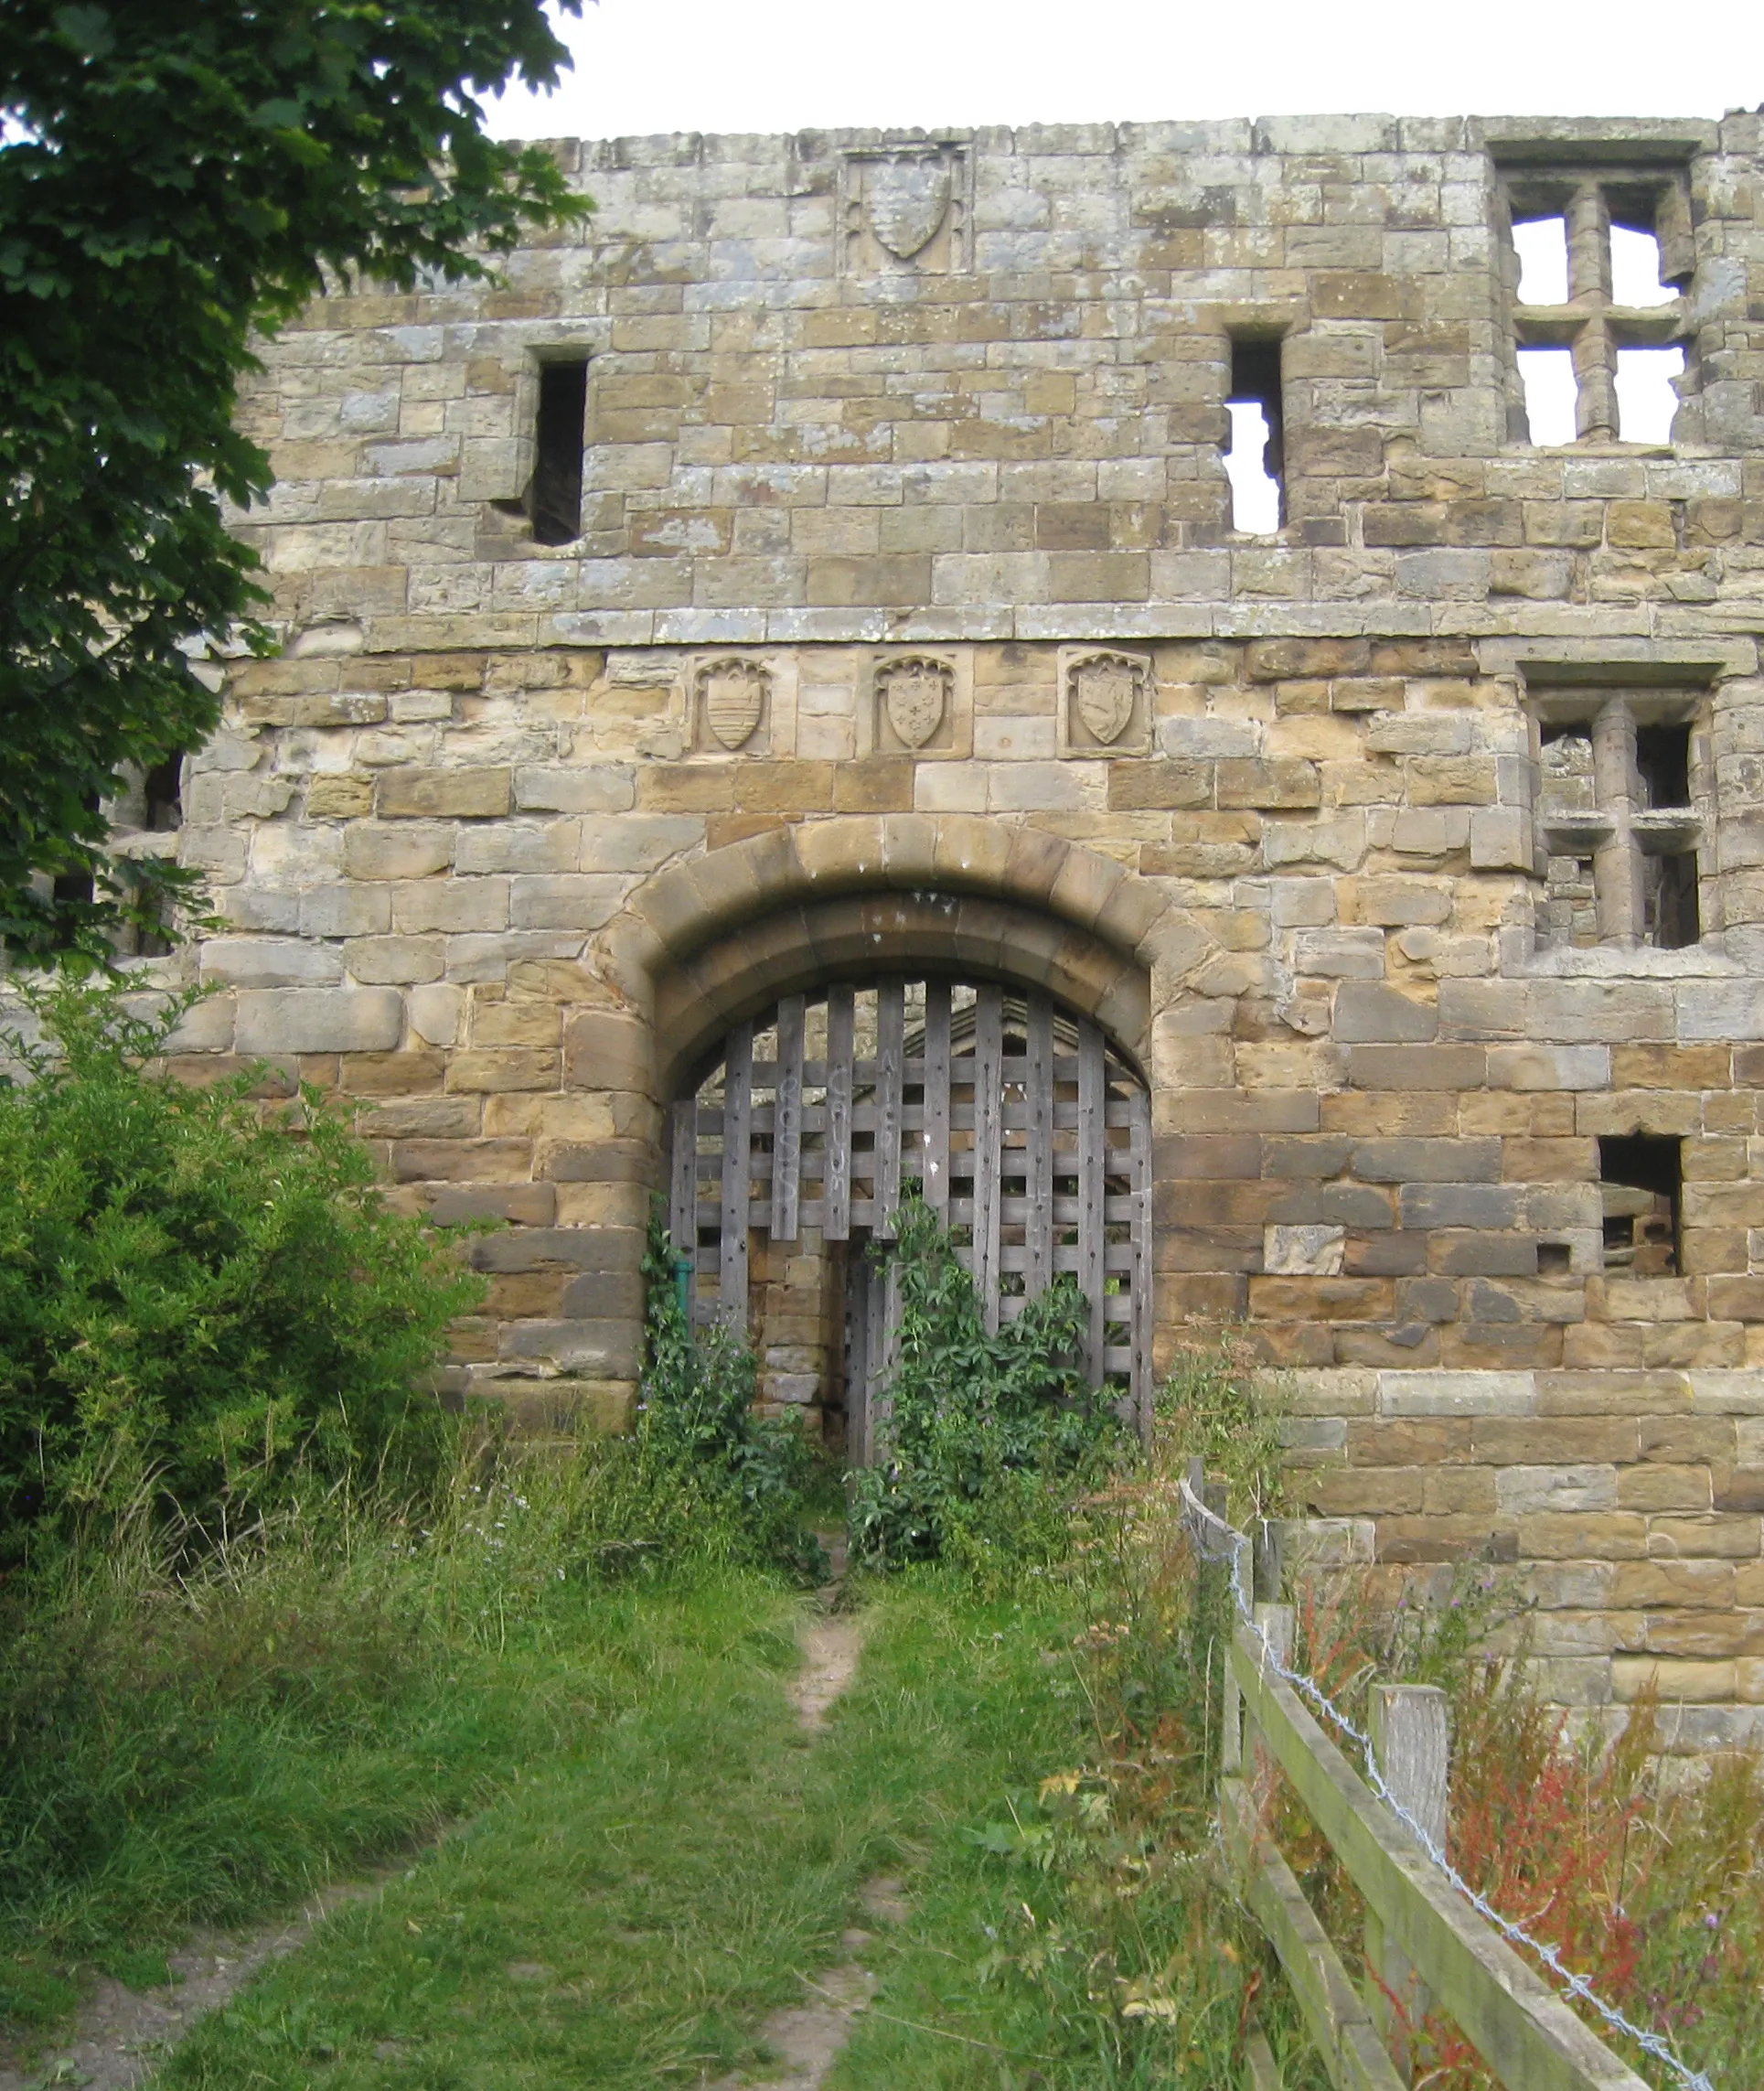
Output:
x=840 y=563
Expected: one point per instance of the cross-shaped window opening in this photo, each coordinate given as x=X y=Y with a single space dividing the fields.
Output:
x=1619 y=821
x=1591 y=335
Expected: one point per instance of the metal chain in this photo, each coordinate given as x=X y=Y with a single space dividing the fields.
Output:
x=1577 y=1985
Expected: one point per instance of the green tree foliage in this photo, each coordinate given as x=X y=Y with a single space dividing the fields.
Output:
x=200 y=1297
x=173 y=177
x=985 y=1435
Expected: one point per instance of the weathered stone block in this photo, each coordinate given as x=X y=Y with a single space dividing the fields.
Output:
x=459 y=1161
x=1417 y=1066
x=1549 y=1066
x=1524 y=1491
x=270 y=962
x=1475 y=1204
x=318 y=1020
x=1267 y=785
x=606 y=1049
x=1427 y=1161
x=1457 y=1394
x=463 y=794
x=1365 y=1014
x=516 y=1204
x=375 y=852
x=492 y=1072
x=340 y=798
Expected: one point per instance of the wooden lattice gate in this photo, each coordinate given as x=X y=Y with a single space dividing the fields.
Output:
x=1025 y=1132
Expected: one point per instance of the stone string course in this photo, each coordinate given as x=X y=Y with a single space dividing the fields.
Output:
x=488 y=871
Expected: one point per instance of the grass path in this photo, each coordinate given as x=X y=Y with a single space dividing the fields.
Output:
x=633 y=1911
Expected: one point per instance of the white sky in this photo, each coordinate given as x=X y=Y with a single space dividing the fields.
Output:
x=780 y=65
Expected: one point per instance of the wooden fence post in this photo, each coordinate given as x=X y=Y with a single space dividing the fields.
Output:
x=1279 y=1623
x=1269 y=1560
x=1410 y=1738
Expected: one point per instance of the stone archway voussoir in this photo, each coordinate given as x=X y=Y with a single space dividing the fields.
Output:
x=973 y=855
x=1087 y=881
x=771 y=861
x=840 y=854
x=1034 y=863
x=910 y=849
x=1131 y=914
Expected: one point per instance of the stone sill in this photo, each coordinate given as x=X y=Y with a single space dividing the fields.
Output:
x=1710 y=960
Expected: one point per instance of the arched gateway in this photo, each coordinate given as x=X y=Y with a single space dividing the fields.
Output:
x=1022 y=1128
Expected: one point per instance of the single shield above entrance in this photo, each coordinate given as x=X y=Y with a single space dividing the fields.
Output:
x=1106 y=687
x=906 y=199
x=916 y=694
x=734 y=697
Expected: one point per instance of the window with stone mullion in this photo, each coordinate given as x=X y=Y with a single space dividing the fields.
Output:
x=1643 y=851
x=1591 y=326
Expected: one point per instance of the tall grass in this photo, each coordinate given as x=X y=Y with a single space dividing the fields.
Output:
x=1101 y=1937
x=1649 y=1881
x=195 y=1734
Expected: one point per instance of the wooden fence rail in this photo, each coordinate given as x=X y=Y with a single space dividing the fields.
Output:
x=1425 y=1944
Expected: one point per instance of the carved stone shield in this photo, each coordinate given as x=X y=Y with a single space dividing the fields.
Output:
x=1105 y=689
x=915 y=693
x=734 y=694
x=905 y=200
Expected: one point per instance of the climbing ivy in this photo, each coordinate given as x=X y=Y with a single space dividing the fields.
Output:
x=699 y=1425
x=986 y=1436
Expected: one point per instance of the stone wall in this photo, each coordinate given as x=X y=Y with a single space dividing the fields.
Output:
x=500 y=863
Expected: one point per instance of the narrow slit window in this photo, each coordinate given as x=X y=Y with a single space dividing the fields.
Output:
x=74 y=889
x=557 y=468
x=1542 y=244
x=1671 y=917
x=1255 y=462
x=162 y=793
x=1635 y=268
x=1547 y=375
x=1568 y=910
x=1662 y=762
x=1641 y=1183
x=1647 y=398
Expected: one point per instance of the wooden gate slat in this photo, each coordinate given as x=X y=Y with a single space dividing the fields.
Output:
x=858 y=1347
x=891 y=1052
x=1090 y=1185
x=683 y=1177
x=936 y=1098
x=988 y=1072
x=737 y=1175
x=881 y=1406
x=1139 y=1379
x=1038 y=1183
x=836 y=1224
x=787 y=1120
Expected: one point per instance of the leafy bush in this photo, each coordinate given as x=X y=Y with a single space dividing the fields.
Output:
x=986 y=1436
x=701 y=1447
x=201 y=1295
